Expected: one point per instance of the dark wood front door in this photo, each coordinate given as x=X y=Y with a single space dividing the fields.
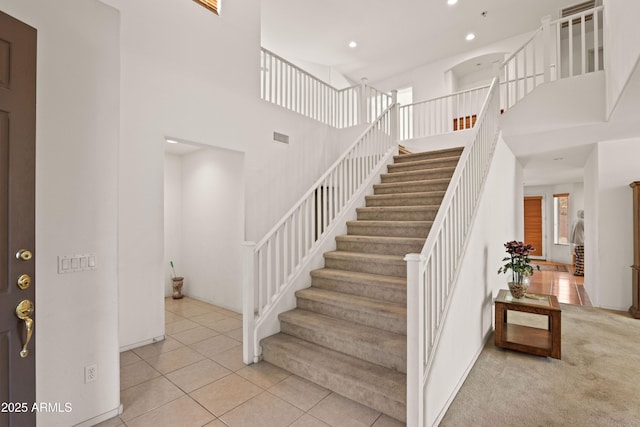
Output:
x=533 y=224
x=17 y=221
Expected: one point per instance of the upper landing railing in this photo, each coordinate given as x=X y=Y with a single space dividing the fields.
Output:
x=290 y=87
x=567 y=47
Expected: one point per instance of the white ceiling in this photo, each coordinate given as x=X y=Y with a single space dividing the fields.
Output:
x=393 y=36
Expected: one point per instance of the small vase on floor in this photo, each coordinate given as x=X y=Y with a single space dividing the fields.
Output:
x=177 y=287
x=519 y=289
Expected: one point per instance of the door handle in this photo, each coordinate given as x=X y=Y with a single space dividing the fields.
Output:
x=24 y=311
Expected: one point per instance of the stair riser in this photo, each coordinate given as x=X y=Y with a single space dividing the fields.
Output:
x=412 y=187
x=396 y=215
x=335 y=382
x=367 y=266
x=378 y=201
x=414 y=166
x=392 y=323
x=364 y=289
x=416 y=157
x=446 y=173
x=365 y=351
x=388 y=230
x=383 y=248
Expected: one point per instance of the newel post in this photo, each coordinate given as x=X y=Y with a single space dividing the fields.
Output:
x=248 y=303
x=364 y=101
x=546 y=52
x=413 y=347
x=395 y=119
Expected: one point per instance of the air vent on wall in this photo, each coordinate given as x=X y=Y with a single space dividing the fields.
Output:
x=581 y=7
x=280 y=137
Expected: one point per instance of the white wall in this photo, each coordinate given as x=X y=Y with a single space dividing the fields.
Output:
x=213 y=226
x=431 y=81
x=469 y=320
x=177 y=79
x=76 y=203
x=621 y=48
x=551 y=251
x=591 y=214
x=172 y=219
x=615 y=167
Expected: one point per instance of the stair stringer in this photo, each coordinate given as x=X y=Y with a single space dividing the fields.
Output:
x=467 y=318
x=269 y=324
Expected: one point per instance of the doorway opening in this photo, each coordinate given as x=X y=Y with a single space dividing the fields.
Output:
x=204 y=221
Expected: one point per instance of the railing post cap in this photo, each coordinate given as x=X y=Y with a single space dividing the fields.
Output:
x=413 y=257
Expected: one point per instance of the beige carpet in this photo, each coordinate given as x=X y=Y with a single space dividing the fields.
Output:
x=597 y=382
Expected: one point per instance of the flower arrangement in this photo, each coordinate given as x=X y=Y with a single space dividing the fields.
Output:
x=518 y=261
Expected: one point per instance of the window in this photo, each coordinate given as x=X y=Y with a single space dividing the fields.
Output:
x=561 y=219
x=212 y=5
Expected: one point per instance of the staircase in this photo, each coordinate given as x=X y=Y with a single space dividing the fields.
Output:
x=348 y=332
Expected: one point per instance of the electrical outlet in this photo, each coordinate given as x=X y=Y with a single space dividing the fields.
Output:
x=90 y=373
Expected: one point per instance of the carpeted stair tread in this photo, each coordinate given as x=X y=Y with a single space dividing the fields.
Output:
x=384 y=348
x=348 y=332
x=424 y=185
x=382 y=245
x=406 y=199
x=389 y=228
x=370 y=384
x=398 y=213
x=419 y=175
x=387 y=288
x=381 y=314
x=388 y=265
x=447 y=152
x=423 y=164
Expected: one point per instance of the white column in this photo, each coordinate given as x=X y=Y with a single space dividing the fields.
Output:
x=546 y=48
x=364 y=100
x=413 y=330
x=248 y=303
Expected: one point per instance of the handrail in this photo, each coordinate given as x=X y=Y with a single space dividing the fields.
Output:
x=521 y=71
x=301 y=70
x=431 y=275
x=289 y=86
x=444 y=114
x=524 y=45
x=272 y=266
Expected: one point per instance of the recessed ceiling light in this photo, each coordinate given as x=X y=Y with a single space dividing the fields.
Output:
x=352 y=44
x=171 y=141
x=470 y=36
x=452 y=2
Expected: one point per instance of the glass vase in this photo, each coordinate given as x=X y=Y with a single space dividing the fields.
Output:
x=519 y=288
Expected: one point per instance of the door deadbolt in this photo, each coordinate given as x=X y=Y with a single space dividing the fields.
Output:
x=24 y=281
x=24 y=254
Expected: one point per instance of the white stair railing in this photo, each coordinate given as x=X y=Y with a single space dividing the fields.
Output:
x=446 y=114
x=272 y=266
x=289 y=86
x=431 y=275
x=566 y=47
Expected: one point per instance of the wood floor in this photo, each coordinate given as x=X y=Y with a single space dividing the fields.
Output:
x=568 y=288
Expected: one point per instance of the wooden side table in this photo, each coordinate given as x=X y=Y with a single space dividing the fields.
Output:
x=528 y=339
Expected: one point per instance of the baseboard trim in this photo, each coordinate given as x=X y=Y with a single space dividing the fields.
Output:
x=100 y=418
x=142 y=343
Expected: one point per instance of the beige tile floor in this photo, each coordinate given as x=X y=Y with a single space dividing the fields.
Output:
x=196 y=378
